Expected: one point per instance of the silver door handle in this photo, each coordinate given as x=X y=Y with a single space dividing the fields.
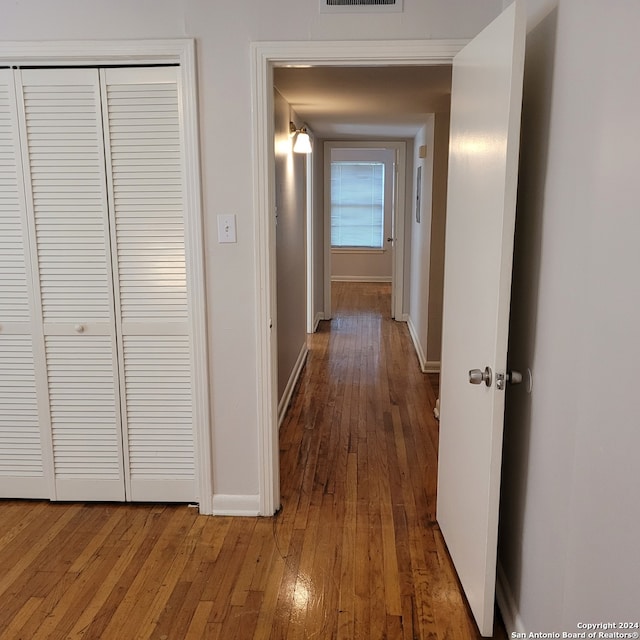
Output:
x=476 y=376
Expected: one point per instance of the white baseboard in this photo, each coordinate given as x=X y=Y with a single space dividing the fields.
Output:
x=316 y=320
x=426 y=366
x=283 y=405
x=507 y=605
x=232 y=505
x=416 y=345
x=360 y=278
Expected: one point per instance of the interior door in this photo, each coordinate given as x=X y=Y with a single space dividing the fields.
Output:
x=484 y=144
x=144 y=172
x=22 y=462
x=62 y=138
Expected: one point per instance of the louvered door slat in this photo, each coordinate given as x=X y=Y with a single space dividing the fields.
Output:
x=136 y=188
x=14 y=298
x=142 y=122
x=65 y=248
x=21 y=465
x=63 y=142
x=22 y=472
x=83 y=404
x=150 y=366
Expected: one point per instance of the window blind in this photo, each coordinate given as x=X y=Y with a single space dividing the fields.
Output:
x=357 y=204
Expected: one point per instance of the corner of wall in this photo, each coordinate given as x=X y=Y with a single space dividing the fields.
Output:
x=422 y=359
x=283 y=405
x=506 y=603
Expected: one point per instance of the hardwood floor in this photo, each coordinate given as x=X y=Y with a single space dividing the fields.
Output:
x=355 y=552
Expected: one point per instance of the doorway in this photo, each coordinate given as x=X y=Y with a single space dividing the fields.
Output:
x=379 y=258
x=265 y=56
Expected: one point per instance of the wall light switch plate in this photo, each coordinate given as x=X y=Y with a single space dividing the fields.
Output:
x=227 y=228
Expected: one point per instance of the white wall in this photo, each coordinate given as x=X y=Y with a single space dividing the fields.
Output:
x=290 y=245
x=571 y=486
x=223 y=32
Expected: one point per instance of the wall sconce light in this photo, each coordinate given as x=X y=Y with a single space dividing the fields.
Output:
x=302 y=142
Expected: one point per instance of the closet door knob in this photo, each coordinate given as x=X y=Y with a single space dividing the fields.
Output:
x=79 y=328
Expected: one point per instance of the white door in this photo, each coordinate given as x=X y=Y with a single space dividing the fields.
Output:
x=143 y=146
x=484 y=142
x=61 y=127
x=22 y=463
x=111 y=391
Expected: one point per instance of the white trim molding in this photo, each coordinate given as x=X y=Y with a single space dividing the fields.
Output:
x=283 y=405
x=349 y=53
x=171 y=51
x=264 y=56
x=232 y=505
x=95 y=52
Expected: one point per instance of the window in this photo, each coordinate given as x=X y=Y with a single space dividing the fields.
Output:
x=357 y=204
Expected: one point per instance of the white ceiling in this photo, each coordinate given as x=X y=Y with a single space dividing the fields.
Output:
x=365 y=102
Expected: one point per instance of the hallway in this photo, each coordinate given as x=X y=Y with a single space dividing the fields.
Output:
x=354 y=554
x=358 y=473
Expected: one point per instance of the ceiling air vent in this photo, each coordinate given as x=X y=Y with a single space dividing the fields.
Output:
x=360 y=6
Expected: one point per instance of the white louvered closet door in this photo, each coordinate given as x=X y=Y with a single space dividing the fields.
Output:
x=144 y=165
x=63 y=152
x=22 y=463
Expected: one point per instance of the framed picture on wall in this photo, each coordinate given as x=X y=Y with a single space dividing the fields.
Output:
x=418 y=192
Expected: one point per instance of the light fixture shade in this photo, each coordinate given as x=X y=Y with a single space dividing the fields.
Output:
x=303 y=142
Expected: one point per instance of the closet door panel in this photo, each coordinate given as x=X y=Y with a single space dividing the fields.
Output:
x=144 y=165
x=84 y=408
x=63 y=142
x=159 y=417
x=23 y=473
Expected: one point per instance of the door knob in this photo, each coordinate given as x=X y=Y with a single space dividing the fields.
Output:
x=389 y=239
x=477 y=376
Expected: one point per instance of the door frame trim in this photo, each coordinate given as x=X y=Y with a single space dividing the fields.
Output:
x=183 y=53
x=264 y=57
